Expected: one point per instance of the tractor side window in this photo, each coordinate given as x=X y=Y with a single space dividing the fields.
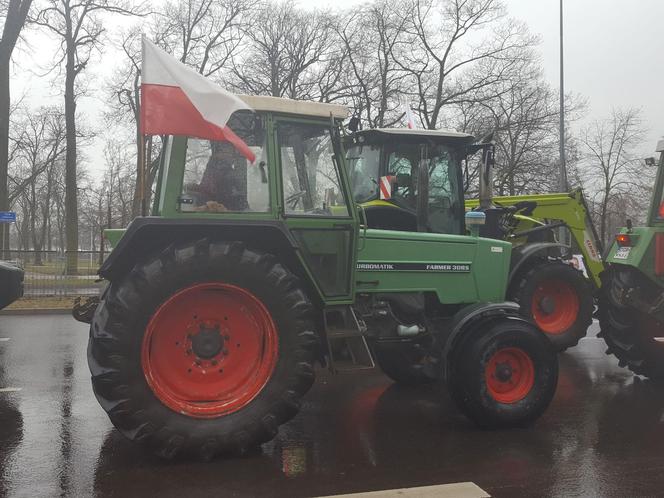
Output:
x=444 y=214
x=218 y=178
x=364 y=166
x=310 y=176
x=403 y=164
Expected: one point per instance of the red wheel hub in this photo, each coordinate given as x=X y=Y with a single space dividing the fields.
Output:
x=209 y=350
x=555 y=306
x=509 y=375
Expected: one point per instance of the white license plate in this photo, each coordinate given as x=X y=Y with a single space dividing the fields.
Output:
x=622 y=253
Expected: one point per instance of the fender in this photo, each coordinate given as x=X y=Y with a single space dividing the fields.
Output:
x=466 y=319
x=524 y=253
x=147 y=234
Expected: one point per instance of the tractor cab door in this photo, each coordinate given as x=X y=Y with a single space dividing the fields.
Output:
x=440 y=195
x=316 y=205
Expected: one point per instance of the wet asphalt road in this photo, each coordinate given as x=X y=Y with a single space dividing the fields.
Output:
x=602 y=436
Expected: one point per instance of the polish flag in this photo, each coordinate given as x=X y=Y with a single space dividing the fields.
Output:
x=176 y=100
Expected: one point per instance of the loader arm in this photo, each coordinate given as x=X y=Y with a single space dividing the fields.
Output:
x=570 y=208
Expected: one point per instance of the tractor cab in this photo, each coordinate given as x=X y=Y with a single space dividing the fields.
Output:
x=409 y=180
x=291 y=191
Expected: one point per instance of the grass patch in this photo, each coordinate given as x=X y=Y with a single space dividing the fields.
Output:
x=73 y=282
x=85 y=267
x=31 y=303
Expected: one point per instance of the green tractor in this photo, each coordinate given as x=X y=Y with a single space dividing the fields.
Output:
x=218 y=306
x=385 y=175
x=631 y=306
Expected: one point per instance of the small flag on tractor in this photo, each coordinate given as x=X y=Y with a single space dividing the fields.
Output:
x=410 y=117
x=176 y=100
x=386 y=187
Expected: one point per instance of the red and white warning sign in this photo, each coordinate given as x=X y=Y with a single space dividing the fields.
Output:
x=386 y=187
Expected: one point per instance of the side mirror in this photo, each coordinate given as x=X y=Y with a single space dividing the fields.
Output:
x=354 y=124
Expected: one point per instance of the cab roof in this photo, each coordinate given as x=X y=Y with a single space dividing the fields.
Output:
x=412 y=135
x=296 y=107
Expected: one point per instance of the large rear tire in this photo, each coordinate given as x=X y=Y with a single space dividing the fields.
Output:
x=633 y=337
x=206 y=348
x=558 y=299
x=504 y=374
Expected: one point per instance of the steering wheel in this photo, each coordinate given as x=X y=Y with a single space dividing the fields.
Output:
x=293 y=199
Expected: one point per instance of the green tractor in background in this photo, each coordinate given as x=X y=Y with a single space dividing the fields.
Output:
x=219 y=304
x=385 y=175
x=631 y=306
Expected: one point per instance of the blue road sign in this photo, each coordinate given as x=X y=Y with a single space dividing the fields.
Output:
x=7 y=216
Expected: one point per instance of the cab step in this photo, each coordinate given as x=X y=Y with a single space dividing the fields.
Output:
x=347 y=346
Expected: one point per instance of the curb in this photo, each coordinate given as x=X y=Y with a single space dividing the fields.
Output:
x=36 y=311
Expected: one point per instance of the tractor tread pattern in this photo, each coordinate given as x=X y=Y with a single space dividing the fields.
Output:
x=114 y=353
x=621 y=332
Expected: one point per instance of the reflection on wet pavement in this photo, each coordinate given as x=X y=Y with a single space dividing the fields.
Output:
x=602 y=436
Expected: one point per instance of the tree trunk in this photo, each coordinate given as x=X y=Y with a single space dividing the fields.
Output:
x=71 y=194
x=4 y=147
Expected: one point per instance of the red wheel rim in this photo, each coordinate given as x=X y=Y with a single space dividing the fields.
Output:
x=209 y=350
x=555 y=306
x=509 y=375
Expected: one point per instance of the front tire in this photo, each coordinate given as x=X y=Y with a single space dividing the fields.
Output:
x=206 y=348
x=504 y=374
x=558 y=299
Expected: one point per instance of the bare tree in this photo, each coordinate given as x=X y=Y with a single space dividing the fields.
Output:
x=287 y=48
x=370 y=36
x=611 y=167
x=40 y=146
x=459 y=51
x=79 y=26
x=13 y=13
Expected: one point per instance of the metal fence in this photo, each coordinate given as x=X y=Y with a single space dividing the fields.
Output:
x=46 y=276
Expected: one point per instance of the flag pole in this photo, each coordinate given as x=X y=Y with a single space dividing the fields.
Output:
x=141 y=172
x=147 y=184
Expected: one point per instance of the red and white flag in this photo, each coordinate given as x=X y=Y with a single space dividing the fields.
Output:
x=176 y=100
x=386 y=187
x=410 y=117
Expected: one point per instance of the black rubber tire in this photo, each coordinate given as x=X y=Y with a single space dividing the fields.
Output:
x=523 y=288
x=117 y=329
x=401 y=362
x=626 y=333
x=467 y=365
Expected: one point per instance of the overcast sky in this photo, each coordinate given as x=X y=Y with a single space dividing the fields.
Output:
x=612 y=48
